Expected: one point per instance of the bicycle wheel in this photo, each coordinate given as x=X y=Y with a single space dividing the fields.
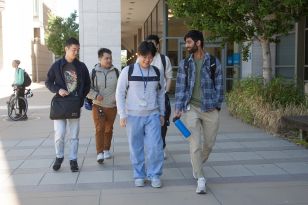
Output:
x=14 y=105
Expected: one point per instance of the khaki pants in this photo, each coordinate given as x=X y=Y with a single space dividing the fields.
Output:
x=204 y=128
x=103 y=127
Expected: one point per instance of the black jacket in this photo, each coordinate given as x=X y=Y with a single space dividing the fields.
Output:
x=55 y=78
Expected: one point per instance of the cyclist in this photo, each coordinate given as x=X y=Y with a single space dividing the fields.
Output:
x=19 y=83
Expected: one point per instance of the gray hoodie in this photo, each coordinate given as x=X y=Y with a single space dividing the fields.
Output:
x=105 y=84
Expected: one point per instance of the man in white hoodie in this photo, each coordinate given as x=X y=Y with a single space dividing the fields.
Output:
x=140 y=102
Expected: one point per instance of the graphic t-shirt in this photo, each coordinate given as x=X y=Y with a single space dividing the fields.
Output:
x=70 y=76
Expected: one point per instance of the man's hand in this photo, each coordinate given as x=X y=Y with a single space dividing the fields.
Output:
x=178 y=114
x=162 y=120
x=99 y=98
x=123 y=122
x=63 y=92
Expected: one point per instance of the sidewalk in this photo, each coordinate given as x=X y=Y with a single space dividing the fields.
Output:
x=246 y=167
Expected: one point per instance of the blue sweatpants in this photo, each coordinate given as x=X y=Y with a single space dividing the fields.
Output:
x=144 y=138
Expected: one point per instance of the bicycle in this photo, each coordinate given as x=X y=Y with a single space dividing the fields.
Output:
x=15 y=112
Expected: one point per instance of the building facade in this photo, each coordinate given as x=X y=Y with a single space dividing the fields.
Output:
x=124 y=24
x=22 y=33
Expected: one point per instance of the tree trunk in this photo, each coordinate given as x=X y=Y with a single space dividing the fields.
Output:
x=266 y=53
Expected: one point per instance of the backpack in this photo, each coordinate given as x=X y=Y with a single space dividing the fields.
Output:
x=139 y=78
x=88 y=103
x=212 y=69
x=27 y=79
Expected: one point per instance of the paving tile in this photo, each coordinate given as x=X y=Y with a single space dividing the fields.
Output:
x=294 y=168
x=122 y=160
x=8 y=143
x=59 y=178
x=296 y=153
x=121 y=148
x=232 y=171
x=36 y=163
x=95 y=177
x=181 y=157
x=178 y=147
x=172 y=173
x=23 y=179
x=273 y=155
x=123 y=175
x=229 y=145
x=220 y=157
x=245 y=155
x=44 y=152
x=23 y=153
x=30 y=143
x=209 y=172
x=10 y=164
x=265 y=169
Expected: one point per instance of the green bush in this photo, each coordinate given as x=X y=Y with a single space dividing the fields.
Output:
x=264 y=105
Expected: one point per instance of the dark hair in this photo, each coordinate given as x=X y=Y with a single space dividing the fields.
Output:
x=71 y=41
x=152 y=37
x=146 y=48
x=101 y=52
x=195 y=35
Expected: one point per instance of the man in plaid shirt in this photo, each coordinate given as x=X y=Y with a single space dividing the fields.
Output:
x=198 y=98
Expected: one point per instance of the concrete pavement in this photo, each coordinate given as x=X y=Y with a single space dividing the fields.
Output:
x=246 y=167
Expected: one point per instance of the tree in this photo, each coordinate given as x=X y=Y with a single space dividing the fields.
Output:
x=59 y=30
x=243 y=21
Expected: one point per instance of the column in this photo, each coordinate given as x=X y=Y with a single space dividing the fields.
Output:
x=99 y=26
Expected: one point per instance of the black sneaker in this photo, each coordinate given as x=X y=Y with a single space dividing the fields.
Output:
x=74 y=166
x=56 y=166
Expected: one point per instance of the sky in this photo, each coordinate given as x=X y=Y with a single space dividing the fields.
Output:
x=65 y=7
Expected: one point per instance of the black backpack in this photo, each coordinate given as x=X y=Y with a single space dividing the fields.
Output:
x=89 y=102
x=212 y=69
x=27 y=79
x=139 y=78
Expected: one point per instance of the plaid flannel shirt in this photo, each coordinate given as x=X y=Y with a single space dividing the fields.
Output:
x=211 y=97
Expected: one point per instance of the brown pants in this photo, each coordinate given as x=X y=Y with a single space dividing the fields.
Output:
x=103 y=122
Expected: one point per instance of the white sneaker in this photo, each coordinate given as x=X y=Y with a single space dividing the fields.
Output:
x=139 y=182
x=156 y=183
x=201 y=186
x=100 y=158
x=107 y=154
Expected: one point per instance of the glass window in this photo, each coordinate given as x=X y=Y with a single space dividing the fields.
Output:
x=285 y=50
x=149 y=24
x=306 y=73
x=160 y=17
x=154 y=21
x=285 y=56
x=306 y=47
x=145 y=29
x=285 y=72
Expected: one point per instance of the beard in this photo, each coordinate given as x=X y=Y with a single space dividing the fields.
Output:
x=193 y=49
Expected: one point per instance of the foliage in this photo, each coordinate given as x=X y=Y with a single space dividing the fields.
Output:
x=264 y=105
x=242 y=20
x=59 y=30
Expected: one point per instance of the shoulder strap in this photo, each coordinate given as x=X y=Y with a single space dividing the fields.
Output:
x=157 y=75
x=163 y=60
x=213 y=68
x=93 y=77
x=130 y=71
x=117 y=72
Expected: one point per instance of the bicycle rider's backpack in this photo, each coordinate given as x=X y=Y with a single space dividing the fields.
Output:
x=27 y=79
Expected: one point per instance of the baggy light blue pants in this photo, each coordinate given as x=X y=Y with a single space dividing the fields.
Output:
x=144 y=138
x=60 y=131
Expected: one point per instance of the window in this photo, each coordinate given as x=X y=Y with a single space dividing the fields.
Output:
x=285 y=56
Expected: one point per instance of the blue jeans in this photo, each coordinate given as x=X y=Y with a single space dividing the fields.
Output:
x=144 y=136
x=60 y=131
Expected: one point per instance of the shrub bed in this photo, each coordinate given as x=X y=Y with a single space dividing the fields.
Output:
x=264 y=105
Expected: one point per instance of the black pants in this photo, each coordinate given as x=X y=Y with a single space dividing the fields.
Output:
x=21 y=103
x=164 y=128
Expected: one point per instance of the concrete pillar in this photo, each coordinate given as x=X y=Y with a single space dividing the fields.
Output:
x=99 y=26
